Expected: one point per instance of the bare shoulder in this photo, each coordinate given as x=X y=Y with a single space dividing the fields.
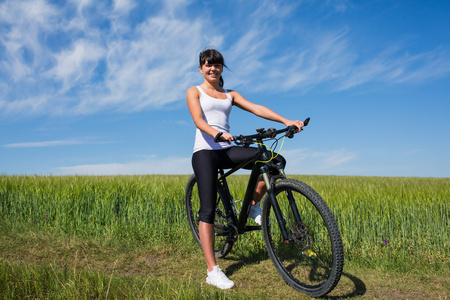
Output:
x=192 y=99
x=232 y=92
x=234 y=95
x=193 y=91
x=192 y=94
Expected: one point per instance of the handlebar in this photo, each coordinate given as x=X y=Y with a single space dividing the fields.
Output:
x=247 y=140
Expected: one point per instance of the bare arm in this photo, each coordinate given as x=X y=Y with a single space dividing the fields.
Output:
x=262 y=111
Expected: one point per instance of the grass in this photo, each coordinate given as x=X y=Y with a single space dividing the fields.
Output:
x=40 y=281
x=127 y=237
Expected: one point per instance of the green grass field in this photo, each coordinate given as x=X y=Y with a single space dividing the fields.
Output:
x=127 y=237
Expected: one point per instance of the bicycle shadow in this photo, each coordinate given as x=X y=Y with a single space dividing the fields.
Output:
x=359 y=289
x=243 y=260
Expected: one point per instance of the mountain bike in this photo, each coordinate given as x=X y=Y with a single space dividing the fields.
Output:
x=299 y=230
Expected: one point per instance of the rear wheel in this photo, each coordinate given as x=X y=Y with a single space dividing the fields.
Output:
x=223 y=231
x=311 y=258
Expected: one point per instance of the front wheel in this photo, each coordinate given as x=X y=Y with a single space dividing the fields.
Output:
x=311 y=258
x=223 y=231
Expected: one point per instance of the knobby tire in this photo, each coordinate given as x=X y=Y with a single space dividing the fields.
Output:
x=223 y=243
x=312 y=259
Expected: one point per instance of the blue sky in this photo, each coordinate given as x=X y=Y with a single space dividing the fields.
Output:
x=98 y=88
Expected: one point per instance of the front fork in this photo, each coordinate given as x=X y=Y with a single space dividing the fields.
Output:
x=276 y=208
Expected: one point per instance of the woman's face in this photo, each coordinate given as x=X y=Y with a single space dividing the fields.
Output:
x=211 y=72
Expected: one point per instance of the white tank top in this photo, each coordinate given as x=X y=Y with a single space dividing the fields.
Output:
x=215 y=112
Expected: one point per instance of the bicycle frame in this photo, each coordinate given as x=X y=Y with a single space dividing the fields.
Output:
x=259 y=168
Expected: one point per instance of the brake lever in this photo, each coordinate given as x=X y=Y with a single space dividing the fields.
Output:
x=305 y=123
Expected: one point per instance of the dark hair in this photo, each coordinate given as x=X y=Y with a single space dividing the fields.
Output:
x=212 y=56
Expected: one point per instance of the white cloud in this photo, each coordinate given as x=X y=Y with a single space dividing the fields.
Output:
x=26 y=22
x=29 y=106
x=140 y=66
x=123 y=6
x=151 y=165
x=78 y=63
x=171 y=6
x=339 y=5
x=44 y=144
x=333 y=58
x=391 y=66
x=70 y=142
x=326 y=59
x=31 y=12
x=299 y=161
x=84 y=57
x=416 y=68
x=302 y=161
x=81 y=4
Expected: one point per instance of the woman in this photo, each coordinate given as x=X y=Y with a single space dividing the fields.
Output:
x=210 y=106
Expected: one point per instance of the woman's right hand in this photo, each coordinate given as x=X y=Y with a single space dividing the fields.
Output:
x=227 y=136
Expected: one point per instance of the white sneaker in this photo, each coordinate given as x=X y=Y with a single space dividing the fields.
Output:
x=255 y=213
x=218 y=278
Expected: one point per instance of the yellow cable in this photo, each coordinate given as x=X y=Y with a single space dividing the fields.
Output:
x=264 y=162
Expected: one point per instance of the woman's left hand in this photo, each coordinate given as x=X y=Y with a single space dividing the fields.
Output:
x=296 y=123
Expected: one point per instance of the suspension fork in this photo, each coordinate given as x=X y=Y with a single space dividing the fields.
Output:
x=291 y=198
x=273 y=200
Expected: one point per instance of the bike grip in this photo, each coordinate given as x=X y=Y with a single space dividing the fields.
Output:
x=305 y=123
x=218 y=138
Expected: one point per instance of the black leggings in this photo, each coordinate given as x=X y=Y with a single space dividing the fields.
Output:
x=206 y=164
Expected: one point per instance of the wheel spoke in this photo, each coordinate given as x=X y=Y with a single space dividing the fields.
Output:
x=306 y=259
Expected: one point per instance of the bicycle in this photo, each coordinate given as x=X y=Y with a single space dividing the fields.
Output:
x=299 y=230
